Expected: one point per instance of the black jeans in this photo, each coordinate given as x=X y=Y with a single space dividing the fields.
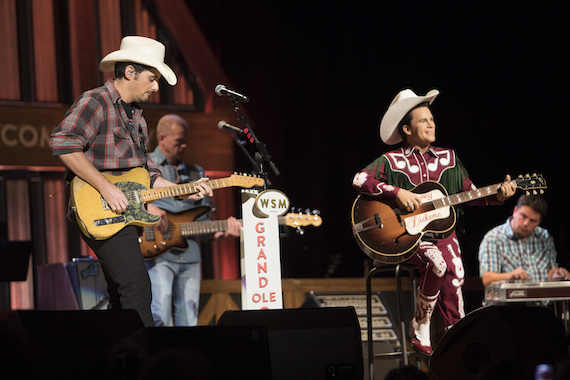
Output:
x=127 y=278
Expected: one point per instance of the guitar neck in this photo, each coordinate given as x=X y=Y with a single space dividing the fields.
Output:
x=202 y=228
x=466 y=196
x=150 y=195
x=188 y=229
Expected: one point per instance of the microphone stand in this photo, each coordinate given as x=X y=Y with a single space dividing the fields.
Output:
x=258 y=169
x=262 y=154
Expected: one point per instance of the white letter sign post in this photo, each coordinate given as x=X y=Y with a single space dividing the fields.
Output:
x=261 y=259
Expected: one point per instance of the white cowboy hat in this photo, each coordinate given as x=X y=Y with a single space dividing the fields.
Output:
x=143 y=50
x=400 y=106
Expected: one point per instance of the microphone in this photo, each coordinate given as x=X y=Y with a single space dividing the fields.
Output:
x=238 y=131
x=221 y=90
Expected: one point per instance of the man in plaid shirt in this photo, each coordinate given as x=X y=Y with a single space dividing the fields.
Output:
x=104 y=131
x=520 y=249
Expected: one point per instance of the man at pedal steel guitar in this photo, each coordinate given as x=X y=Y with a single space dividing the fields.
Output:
x=104 y=132
x=520 y=249
x=391 y=176
x=175 y=275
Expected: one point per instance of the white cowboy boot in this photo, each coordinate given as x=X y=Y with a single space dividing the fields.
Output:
x=420 y=324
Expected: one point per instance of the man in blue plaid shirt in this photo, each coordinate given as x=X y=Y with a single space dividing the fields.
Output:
x=520 y=249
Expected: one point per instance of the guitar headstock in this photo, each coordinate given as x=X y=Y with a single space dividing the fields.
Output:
x=246 y=180
x=531 y=184
x=299 y=219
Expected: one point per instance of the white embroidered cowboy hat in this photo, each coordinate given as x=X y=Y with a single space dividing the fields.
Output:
x=143 y=50
x=404 y=101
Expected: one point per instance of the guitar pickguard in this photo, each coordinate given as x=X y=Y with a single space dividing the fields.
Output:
x=416 y=223
x=135 y=210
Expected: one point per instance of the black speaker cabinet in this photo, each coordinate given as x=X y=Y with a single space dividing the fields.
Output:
x=60 y=344
x=506 y=342
x=320 y=343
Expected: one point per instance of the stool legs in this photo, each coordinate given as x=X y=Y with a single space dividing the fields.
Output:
x=399 y=294
x=399 y=300
x=369 y=322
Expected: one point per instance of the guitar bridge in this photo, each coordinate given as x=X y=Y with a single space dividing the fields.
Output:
x=359 y=227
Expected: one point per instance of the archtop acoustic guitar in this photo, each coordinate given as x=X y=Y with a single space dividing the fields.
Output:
x=389 y=234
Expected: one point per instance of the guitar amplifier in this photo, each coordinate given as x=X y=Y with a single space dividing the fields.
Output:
x=77 y=285
x=88 y=282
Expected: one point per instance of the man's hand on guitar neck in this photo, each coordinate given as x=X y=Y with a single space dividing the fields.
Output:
x=507 y=189
x=233 y=230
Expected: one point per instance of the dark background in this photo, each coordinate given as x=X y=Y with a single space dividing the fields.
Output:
x=320 y=75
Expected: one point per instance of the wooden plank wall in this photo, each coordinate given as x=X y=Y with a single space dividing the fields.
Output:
x=9 y=64
x=51 y=50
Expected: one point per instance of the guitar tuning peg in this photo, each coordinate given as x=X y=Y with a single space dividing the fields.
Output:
x=527 y=176
x=316 y=212
x=541 y=191
x=534 y=192
x=527 y=192
x=300 y=231
x=520 y=176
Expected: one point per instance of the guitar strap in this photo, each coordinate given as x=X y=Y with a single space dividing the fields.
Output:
x=131 y=128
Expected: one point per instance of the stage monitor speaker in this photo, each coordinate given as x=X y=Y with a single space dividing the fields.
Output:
x=320 y=343
x=60 y=344
x=204 y=352
x=492 y=339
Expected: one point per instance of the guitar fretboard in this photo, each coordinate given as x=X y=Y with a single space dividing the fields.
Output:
x=149 y=195
x=202 y=228
x=188 y=229
x=466 y=196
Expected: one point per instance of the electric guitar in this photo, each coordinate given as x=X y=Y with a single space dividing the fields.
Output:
x=389 y=234
x=98 y=221
x=182 y=225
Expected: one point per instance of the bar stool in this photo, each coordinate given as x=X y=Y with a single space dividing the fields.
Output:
x=380 y=267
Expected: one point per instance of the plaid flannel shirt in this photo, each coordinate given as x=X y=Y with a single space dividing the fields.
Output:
x=97 y=124
x=502 y=252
